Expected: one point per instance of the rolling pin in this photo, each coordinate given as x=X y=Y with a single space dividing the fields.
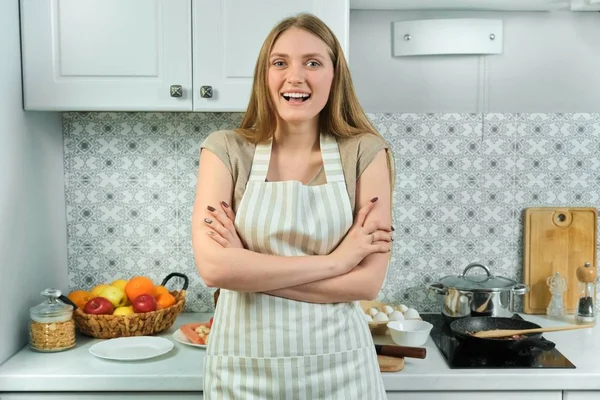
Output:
x=400 y=351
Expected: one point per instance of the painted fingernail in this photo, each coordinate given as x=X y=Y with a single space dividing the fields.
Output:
x=208 y=220
x=374 y=199
x=211 y=233
x=224 y=204
x=392 y=239
x=210 y=208
x=393 y=229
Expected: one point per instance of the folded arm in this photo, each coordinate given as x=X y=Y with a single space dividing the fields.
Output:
x=238 y=268
x=363 y=282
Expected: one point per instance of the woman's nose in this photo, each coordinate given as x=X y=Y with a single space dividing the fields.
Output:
x=295 y=75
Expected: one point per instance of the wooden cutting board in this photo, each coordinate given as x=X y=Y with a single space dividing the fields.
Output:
x=390 y=364
x=556 y=239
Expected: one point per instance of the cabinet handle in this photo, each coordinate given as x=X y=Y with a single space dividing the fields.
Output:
x=206 y=92
x=176 y=91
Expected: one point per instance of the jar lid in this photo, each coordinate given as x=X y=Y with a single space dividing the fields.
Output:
x=51 y=310
x=481 y=282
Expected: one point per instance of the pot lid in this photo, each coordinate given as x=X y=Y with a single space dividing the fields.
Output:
x=482 y=282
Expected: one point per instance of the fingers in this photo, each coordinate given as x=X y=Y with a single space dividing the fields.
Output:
x=364 y=211
x=220 y=221
x=218 y=238
x=382 y=236
x=382 y=247
x=228 y=211
x=373 y=226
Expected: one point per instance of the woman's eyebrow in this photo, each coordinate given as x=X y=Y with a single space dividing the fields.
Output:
x=309 y=55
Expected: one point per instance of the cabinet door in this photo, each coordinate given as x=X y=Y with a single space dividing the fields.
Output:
x=476 y=395
x=581 y=395
x=101 y=396
x=106 y=54
x=227 y=38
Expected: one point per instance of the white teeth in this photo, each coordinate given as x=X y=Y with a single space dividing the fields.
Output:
x=296 y=95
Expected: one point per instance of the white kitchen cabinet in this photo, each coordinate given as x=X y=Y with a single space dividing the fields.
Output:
x=462 y=5
x=136 y=55
x=585 y=5
x=477 y=395
x=228 y=35
x=102 y=395
x=106 y=55
x=581 y=395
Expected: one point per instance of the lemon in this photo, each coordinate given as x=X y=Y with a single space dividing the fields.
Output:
x=126 y=310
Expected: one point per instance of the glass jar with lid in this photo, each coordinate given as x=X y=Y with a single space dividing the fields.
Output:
x=51 y=327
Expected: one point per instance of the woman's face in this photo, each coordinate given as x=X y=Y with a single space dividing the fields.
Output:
x=300 y=75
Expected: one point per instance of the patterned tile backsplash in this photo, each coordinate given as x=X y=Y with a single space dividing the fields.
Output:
x=462 y=185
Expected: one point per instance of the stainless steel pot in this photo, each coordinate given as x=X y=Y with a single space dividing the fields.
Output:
x=478 y=295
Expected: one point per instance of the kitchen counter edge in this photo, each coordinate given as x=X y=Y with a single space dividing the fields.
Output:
x=181 y=370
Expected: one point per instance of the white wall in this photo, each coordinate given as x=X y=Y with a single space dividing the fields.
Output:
x=33 y=243
x=550 y=63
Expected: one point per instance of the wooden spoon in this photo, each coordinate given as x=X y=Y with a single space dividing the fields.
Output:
x=497 y=333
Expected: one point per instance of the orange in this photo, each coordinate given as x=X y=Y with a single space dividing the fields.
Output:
x=80 y=297
x=158 y=290
x=139 y=285
x=165 y=300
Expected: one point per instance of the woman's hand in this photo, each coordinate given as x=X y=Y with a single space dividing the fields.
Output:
x=222 y=226
x=362 y=240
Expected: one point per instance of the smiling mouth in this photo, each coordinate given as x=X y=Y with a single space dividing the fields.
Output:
x=296 y=97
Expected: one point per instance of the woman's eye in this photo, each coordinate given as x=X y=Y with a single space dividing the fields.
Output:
x=313 y=63
x=278 y=63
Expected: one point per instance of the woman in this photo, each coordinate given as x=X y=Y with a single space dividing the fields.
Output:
x=292 y=261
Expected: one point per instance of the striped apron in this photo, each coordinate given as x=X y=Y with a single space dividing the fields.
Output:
x=267 y=347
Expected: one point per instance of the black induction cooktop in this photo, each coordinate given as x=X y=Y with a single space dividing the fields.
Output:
x=466 y=355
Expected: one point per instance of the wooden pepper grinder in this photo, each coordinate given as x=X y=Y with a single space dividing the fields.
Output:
x=587 y=293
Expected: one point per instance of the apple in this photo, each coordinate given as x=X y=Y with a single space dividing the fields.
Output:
x=98 y=305
x=115 y=295
x=124 y=310
x=98 y=288
x=120 y=283
x=144 y=303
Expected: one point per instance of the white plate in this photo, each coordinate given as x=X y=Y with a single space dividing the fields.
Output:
x=181 y=338
x=132 y=348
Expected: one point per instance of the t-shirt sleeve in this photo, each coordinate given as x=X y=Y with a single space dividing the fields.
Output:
x=368 y=147
x=217 y=143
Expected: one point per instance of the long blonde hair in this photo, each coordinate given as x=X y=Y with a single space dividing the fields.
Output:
x=342 y=115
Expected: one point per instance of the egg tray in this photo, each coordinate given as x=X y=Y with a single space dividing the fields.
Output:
x=379 y=328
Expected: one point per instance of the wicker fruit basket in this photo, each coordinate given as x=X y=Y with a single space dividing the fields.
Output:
x=139 y=324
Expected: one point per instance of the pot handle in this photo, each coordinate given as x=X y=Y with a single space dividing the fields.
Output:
x=476 y=264
x=520 y=289
x=438 y=288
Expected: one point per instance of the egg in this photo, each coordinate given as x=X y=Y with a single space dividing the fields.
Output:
x=402 y=308
x=372 y=311
x=381 y=317
x=411 y=313
x=396 y=316
x=368 y=318
x=388 y=309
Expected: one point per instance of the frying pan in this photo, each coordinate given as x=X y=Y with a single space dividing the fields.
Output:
x=461 y=329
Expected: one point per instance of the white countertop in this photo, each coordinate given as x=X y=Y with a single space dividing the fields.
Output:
x=182 y=368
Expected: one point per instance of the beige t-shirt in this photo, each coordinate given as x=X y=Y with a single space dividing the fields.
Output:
x=237 y=154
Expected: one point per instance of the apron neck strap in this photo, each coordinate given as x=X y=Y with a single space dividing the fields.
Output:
x=330 y=153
